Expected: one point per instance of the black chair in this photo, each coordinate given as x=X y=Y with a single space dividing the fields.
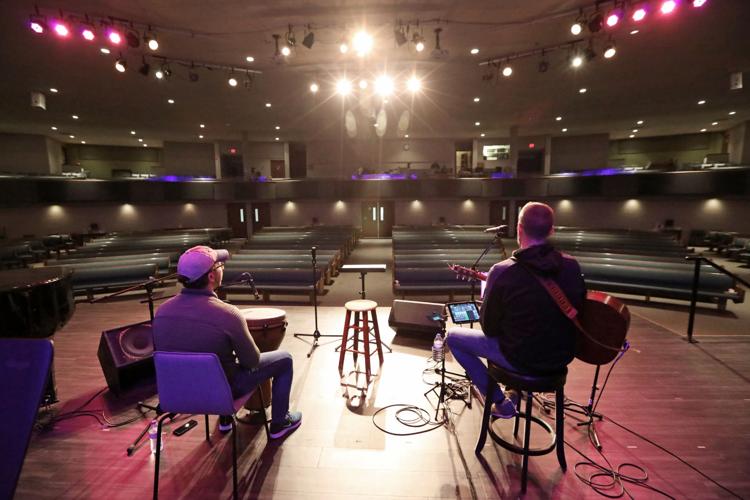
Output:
x=529 y=384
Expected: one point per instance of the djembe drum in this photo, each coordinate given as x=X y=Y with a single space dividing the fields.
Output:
x=267 y=326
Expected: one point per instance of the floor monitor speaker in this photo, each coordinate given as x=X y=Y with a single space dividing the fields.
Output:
x=126 y=355
x=410 y=316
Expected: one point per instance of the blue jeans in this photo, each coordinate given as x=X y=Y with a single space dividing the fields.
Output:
x=468 y=346
x=276 y=365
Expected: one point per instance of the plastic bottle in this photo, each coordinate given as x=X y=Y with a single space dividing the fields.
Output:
x=153 y=432
x=437 y=348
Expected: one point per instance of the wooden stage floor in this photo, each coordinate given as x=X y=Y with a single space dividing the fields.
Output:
x=692 y=399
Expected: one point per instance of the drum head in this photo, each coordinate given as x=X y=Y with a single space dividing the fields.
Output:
x=258 y=317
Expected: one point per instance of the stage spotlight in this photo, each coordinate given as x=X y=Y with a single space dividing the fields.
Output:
x=399 y=35
x=507 y=71
x=309 y=39
x=114 y=36
x=418 y=41
x=343 y=47
x=610 y=51
x=151 y=42
x=589 y=53
x=576 y=28
x=88 y=32
x=414 y=84
x=291 y=40
x=668 y=6
x=159 y=74
x=543 y=66
x=363 y=84
x=595 y=22
x=193 y=76
x=61 y=29
x=576 y=61
x=285 y=51
x=419 y=46
x=247 y=82
x=362 y=43
x=232 y=81
x=343 y=87
x=639 y=13
x=133 y=39
x=613 y=18
x=145 y=68
x=314 y=88
x=104 y=50
x=37 y=24
x=699 y=3
x=384 y=86
x=121 y=64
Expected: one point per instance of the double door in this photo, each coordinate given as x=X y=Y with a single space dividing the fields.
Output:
x=377 y=219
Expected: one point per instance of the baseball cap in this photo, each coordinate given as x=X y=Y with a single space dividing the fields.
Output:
x=197 y=261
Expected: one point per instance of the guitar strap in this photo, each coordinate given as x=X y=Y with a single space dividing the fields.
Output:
x=570 y=312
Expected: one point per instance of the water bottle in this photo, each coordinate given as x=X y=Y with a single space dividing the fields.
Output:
x=153 y=432
x=437 y=348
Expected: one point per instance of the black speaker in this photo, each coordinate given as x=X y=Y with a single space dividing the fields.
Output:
x=410 y=316
x=126 y=354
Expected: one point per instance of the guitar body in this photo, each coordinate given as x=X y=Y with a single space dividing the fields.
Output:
x=607 y=320
x=604 y=318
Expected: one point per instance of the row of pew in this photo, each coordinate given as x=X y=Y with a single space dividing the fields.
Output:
x=279 y=259
x=642 y=263
x=734 y=246
x=27 y=251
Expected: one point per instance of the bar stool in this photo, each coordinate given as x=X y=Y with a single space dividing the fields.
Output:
x=367 y=327
x=529 y=384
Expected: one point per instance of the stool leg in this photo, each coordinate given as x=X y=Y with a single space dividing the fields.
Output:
x=234 y=459
x=526 y=443
x=378 y=344
x=366 y=343
x=491 y=388
x=518 y=415
x=560 y=427
x=355 y=338
x=344 y=336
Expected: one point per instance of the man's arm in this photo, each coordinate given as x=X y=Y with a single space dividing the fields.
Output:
x=491 y=311
x=244 y=345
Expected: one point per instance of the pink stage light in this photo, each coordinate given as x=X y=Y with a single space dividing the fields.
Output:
x=114 y=37
x=613 y=19
x=668 y=6
x=88 y=34
x=639 y=14
x=61 y=29
x=699 y=3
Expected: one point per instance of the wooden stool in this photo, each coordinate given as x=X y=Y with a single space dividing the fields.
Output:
x=361 y=309
x=529 y=384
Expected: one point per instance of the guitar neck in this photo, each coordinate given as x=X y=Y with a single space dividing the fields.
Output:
x=465 y=272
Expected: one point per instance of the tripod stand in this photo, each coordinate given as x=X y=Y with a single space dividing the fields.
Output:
x=316 y=334
x=445 y=390
x=588 y=411
x=486 y=250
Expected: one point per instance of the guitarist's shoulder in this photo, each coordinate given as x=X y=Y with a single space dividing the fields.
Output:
x=500 y=267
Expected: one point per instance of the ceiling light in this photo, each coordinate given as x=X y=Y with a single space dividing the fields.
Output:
x=343 y=87
x=576 y=28
x=363 y=84
x=200 y=136
x=277 y=127
x=635 y=130
x=613 y=18
x=250 y=59
x=699 y=3
x=362 y=43
x=170 y=101
x=419 y=46
x=565 y=130
x=60 y=28
x=414 y=84
x=610 y=51
x=75 y=117
x=121 y=64
x=476 y=99
x=87 y=32
x=703 y=130
x=343 y=47
x=481 y=135
x=202 y=125
x=418 y=40
x=583 y=90
x=639 y=122
x=507 y=71
x=631 y=136
x=83 y=142
x=53 y=90
x=151 y=42
x=476 y=124
x=668 y=6
x=37 y=24
x=285 y=51
x=639 y=13
x=268 y=104
x=159 y=74
x=53 y=127
x=558 y=118
x=114 y=36
x=104 y=50
x=132 y=132
x=140 y=140
x=314 y=87
x=701 y=102
x=145 y=145
x=474 y=51
x=732 y=113
x=73 y=137
x=275 y=138
x=714 y=123
x=232 y=81
x=406 y=136
x=577 y=61
x=384 y=85
x=634 y=32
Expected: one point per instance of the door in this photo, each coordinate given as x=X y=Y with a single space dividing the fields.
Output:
x=499 y=213
x=237 y=219
x=260 y=215
x=231 y=166
x=377 y=219
x=277 y=169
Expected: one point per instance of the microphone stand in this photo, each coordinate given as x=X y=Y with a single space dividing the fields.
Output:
x=486 y=250
x=316 y=334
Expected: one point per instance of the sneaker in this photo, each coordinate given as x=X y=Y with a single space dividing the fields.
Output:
x=507 y=407
x=225 y=424
x=292 y=421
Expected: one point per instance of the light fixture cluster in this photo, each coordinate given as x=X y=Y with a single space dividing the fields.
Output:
x=411 y=33
x=382 y=85
x=636 y=12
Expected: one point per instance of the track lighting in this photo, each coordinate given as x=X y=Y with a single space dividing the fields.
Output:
x=314 y=88
x=362 y=43
x=291 y=40
x=145 y=68
x=507 y=71
x=114 y=36
x=414 y=84
x=309 y=39
x=418 y=41
x=38 y=24
x=121 y=64
x=60 y=28
x=151 y=42
x=343 y=87
x=610 y=50
x=133 y=39
x=399 y=35
x=88 y=32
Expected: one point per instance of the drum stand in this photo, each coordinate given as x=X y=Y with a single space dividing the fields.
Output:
x=316 y=334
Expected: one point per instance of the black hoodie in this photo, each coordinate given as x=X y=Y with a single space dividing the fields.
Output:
x=532 y=332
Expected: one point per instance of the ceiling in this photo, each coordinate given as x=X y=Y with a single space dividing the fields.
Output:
x=658 y=74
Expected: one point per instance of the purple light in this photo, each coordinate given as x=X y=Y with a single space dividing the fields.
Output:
x=500 y=175
x=699 y=3
x=60 y=29
x=668 y=6
x=639 y=14
x=114 y=37
x=613 y=19
x=88 y=34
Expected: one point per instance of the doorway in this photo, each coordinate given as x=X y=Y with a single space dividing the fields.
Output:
x=260 y=216
x=530 y=163
x=377 y=219
x=237 y=219
x=277 y=169
x=499 y=212
x=231 y=166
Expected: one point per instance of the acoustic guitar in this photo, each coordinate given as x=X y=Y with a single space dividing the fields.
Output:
x=604 y=318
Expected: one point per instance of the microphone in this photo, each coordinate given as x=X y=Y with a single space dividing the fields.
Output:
x=497 y=229
x=252 y=285
x=312 y=251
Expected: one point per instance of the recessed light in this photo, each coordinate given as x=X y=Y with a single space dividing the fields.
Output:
x=635 y=130
x=714 y=123
x=75 y=117
x=701 y=102
x=145 y=145
x=639 y=122
x=703 y=130
x=732 y=113
x=481 y=135
x=200 y=136
x=72 y=136
x=83 y=142
x=250 y=59
x=132 y=132
x=474 y=51
x=476 y=99
x=276 y=139
x=476 y=124
x=170 y=101
x=583 y=90
x=104 y=50
x=406 y=136
x=202 y=125
x=564 y=130
x=53 y=127
x=277 y=127
x=140 y=140
x=53 y=90
x=633 y=32
x=558 y=118
x=631 y=136
x=268 y=104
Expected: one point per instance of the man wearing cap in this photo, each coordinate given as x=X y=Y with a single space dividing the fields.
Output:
x=196 y=320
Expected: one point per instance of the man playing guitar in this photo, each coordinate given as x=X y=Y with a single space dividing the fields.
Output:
x=523 y=329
